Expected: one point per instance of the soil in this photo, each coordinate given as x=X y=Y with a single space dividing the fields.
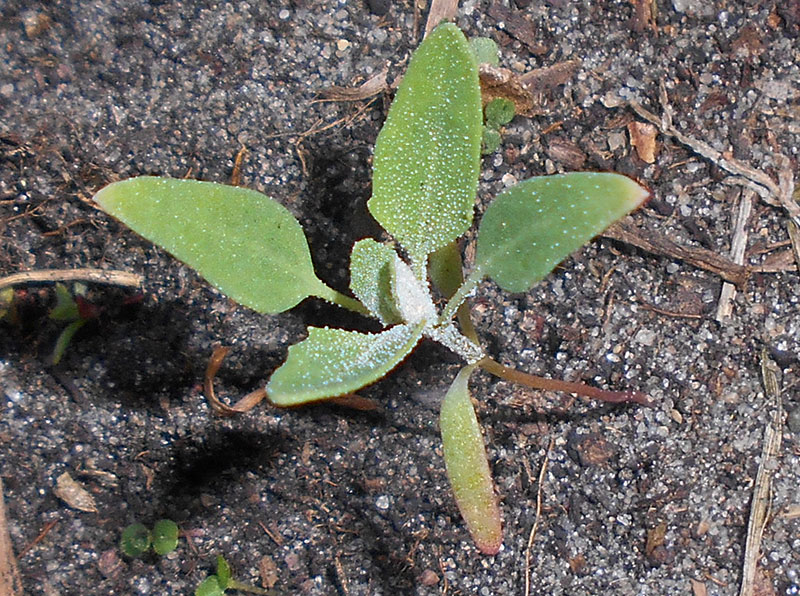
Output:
x=328 y=500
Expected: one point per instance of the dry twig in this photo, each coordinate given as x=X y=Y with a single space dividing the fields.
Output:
x=738 y=245
x=441 y=10
x=48 y=276
x=535 y=526
x=759 y=507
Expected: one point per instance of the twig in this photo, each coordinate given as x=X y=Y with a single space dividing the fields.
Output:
x=774 y=193
x=759 y=507
x=738 y=245
x=48 y=276
x=660 y=245
x=441 y=10
x=10 y=580
x=532 y=535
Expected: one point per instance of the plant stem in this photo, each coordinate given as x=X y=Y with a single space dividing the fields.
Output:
x=328 y=293
x=580 y=389
x=461 y=294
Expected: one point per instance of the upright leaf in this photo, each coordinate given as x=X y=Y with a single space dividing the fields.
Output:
x=467 y=466
x=533 y=226
x=428 y=152
x=331 y=362
x=244 y=243
x=371 y=270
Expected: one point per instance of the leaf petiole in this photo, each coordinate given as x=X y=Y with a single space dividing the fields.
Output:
x=581 y=389
x=330 y=295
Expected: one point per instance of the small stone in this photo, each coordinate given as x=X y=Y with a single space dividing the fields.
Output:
x=382 y=502
x=793 y=420
x=284 y=14
x=429 y=578
x=342 y=45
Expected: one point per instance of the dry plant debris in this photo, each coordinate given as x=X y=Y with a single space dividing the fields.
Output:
x=74 y=495
x=760 y=505
x=10 y=580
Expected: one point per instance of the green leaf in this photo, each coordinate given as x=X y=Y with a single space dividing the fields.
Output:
x=485 y=50
x=533 y=226
x=66 y=308
x=427 y=154
x=135 y=540
x=371 y=268
x=223 y=572
x=467 y=466
x=244 y=243
x=165 y=536
x=413 y=295
x=62 y=343
x=446 y=269
x=499 y=112
x=490 y=141
x=333 y=362
x=209 y=587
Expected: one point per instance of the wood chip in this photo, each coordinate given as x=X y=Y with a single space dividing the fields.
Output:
x=373 y=86
x=738 y=245
x=698 y=588
x=549 y=77
x=10 y=580
x=566 y=152
x=268 y=571
x=517 y=25
x=655 y=538
x=643 y=139
x=74 y=495
x=441 y=10
x=502 y=83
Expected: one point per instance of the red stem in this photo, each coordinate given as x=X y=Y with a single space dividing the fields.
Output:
x=580 y=389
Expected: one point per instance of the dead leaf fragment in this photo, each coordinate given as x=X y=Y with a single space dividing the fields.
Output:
x=643 y=139
x=655 y=538
x=698 y=588
x=369 y=88
x=502 y=83
x=74 y=495
x=566 y=153
x=268 y=571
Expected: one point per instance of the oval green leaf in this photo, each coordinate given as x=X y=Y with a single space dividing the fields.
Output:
x=331 y=362
x=371 y=268
x=165 y=536
x=467 y=466
x=533 y=226
x=247 y=245
x=135 y=540
x=427 y=155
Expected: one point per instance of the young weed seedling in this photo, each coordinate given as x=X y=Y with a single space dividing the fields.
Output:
x=426 y=166
x=215 y=585
x=136 y=539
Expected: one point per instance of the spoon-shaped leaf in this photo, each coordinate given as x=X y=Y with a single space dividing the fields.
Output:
x=531 y=227
x=371 y=269
x=244 y=243
x=427 y=155
x=331 y=362
x=467 y=466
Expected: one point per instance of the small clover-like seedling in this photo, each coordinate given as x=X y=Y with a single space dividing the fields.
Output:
x=137 y=539
x=426 y=167
x=215 y=585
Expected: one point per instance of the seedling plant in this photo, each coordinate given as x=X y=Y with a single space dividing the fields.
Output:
x=137 y=539
x=425 y=181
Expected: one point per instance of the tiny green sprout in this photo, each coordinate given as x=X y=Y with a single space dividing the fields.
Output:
x=137 y=539
x=68 y=309
x=425 y=180
x=498 y=112
x=165 y=536
x=485 y=50
x=215 y=585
